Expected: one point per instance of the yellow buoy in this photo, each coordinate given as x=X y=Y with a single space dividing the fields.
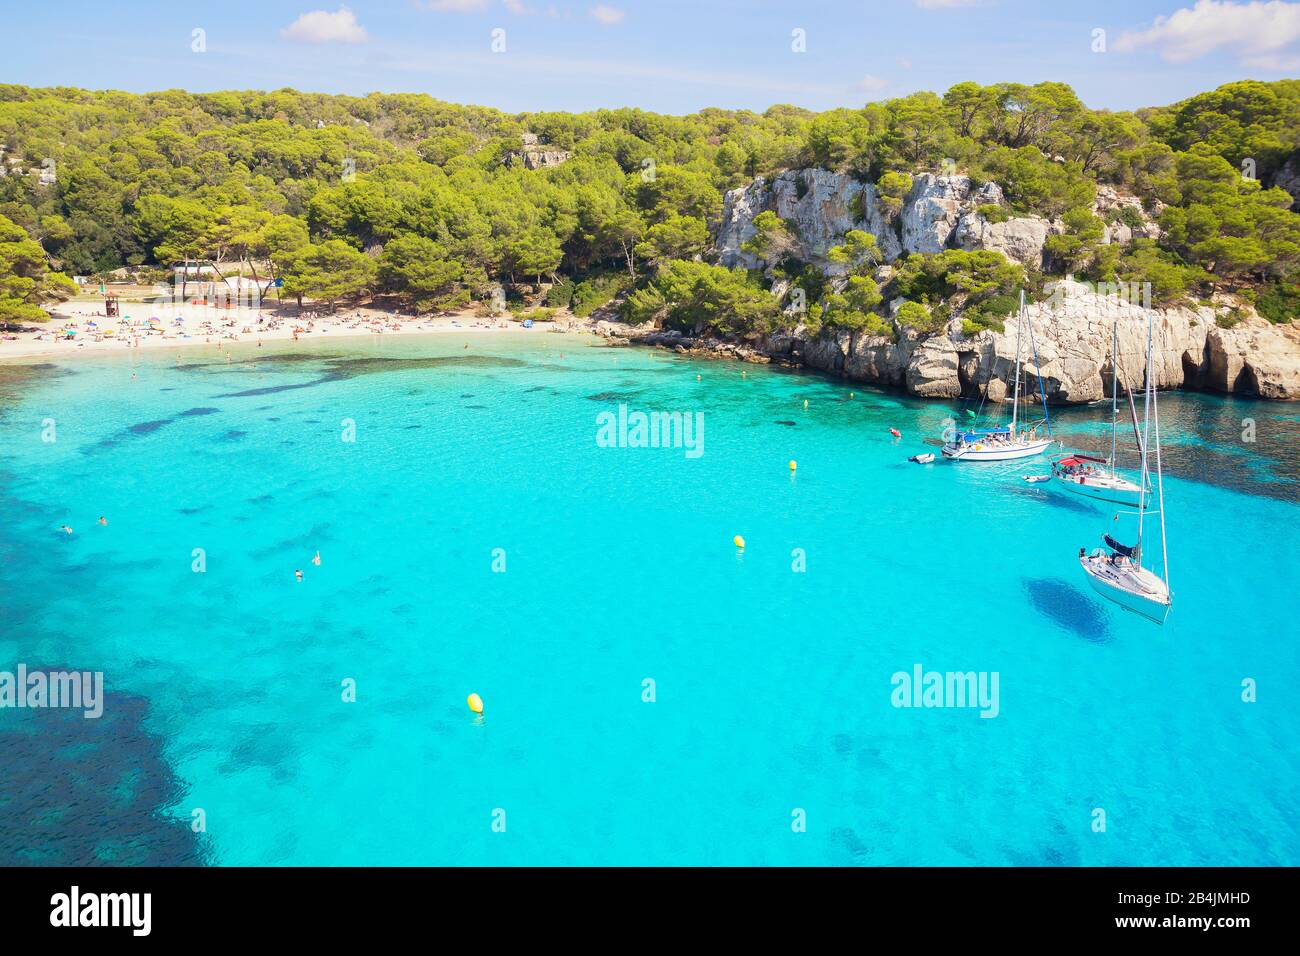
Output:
x=850 y=394
x=738 y=541
x=793 y=464
x=475 y=703
x=805 y=403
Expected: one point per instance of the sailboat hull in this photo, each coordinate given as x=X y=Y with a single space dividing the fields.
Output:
x=1113 y=490
x=1132 y=588
x=989 y=452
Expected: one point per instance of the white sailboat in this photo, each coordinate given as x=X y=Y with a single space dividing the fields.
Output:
x=1003 y=443
x=1117 y=572
x=1093 y=477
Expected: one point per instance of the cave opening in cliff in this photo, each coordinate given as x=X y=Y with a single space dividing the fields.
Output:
x=1245 y=383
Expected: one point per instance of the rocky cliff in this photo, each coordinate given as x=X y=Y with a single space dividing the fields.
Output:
x=1072 y=331
x=939 y=212
x=1071 y=350
x=532 y=154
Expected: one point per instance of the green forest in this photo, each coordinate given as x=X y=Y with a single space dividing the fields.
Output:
x=426 y=204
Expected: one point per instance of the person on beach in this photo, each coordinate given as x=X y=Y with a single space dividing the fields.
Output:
x=298 y=575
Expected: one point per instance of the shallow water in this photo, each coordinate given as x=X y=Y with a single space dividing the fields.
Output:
x=772 y=687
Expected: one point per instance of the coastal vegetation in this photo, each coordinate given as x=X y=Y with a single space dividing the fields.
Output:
x=425 y=204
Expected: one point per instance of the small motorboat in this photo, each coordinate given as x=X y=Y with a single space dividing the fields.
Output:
x=1035 y=479
x=923 y=459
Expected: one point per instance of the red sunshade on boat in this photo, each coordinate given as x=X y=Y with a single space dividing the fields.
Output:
x=1079 y=459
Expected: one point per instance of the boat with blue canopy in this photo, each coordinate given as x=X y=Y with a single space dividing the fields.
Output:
x=1005 y=442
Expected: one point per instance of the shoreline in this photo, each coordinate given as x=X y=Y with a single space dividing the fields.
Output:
x=200 y=326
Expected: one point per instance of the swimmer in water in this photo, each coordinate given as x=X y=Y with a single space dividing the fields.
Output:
x=65 y=529
x=316 y=559
x=298 y=575
x=103 y=521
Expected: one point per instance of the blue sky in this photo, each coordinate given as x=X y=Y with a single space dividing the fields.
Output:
x=671 y=56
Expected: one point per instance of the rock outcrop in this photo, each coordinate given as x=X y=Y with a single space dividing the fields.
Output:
x=534 y=155
x=1288 y=177
x=1071 y=350
x=1021 y=239
x=1072 y=332
x=939 y=212
x=820 y=206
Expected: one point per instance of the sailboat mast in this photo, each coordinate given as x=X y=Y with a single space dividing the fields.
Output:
x=1015 y=398
x=1146 y=433
x=1114 y=391
x=1160 y=494
x=1038 y=367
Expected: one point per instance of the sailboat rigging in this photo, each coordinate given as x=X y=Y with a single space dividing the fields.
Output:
x=1117 y=572
x=1097 y=478
x=1005 y=443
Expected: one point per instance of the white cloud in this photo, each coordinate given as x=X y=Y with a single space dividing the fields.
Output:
x=607 y=15
x=872 y=84
x=1257 y=33
x=517 y=6
x=320 y=26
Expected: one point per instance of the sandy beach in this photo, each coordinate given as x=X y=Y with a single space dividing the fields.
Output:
x=146 y=325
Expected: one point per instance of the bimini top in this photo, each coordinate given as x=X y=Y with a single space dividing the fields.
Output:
x=1114 y=545
x=1069 y=460
x=983 y=432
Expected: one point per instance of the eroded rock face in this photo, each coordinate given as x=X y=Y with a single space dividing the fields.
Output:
x=1071 y=349
x=1073 y=340
x=935 y=206
x=1254 y=357
x=1288 y=178
x=820 y=205
x=1111 y=204
x=533 y=154
x=939 y=212
x=1020 y=239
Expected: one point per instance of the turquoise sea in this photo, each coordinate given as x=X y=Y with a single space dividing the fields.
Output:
x=772 y=687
